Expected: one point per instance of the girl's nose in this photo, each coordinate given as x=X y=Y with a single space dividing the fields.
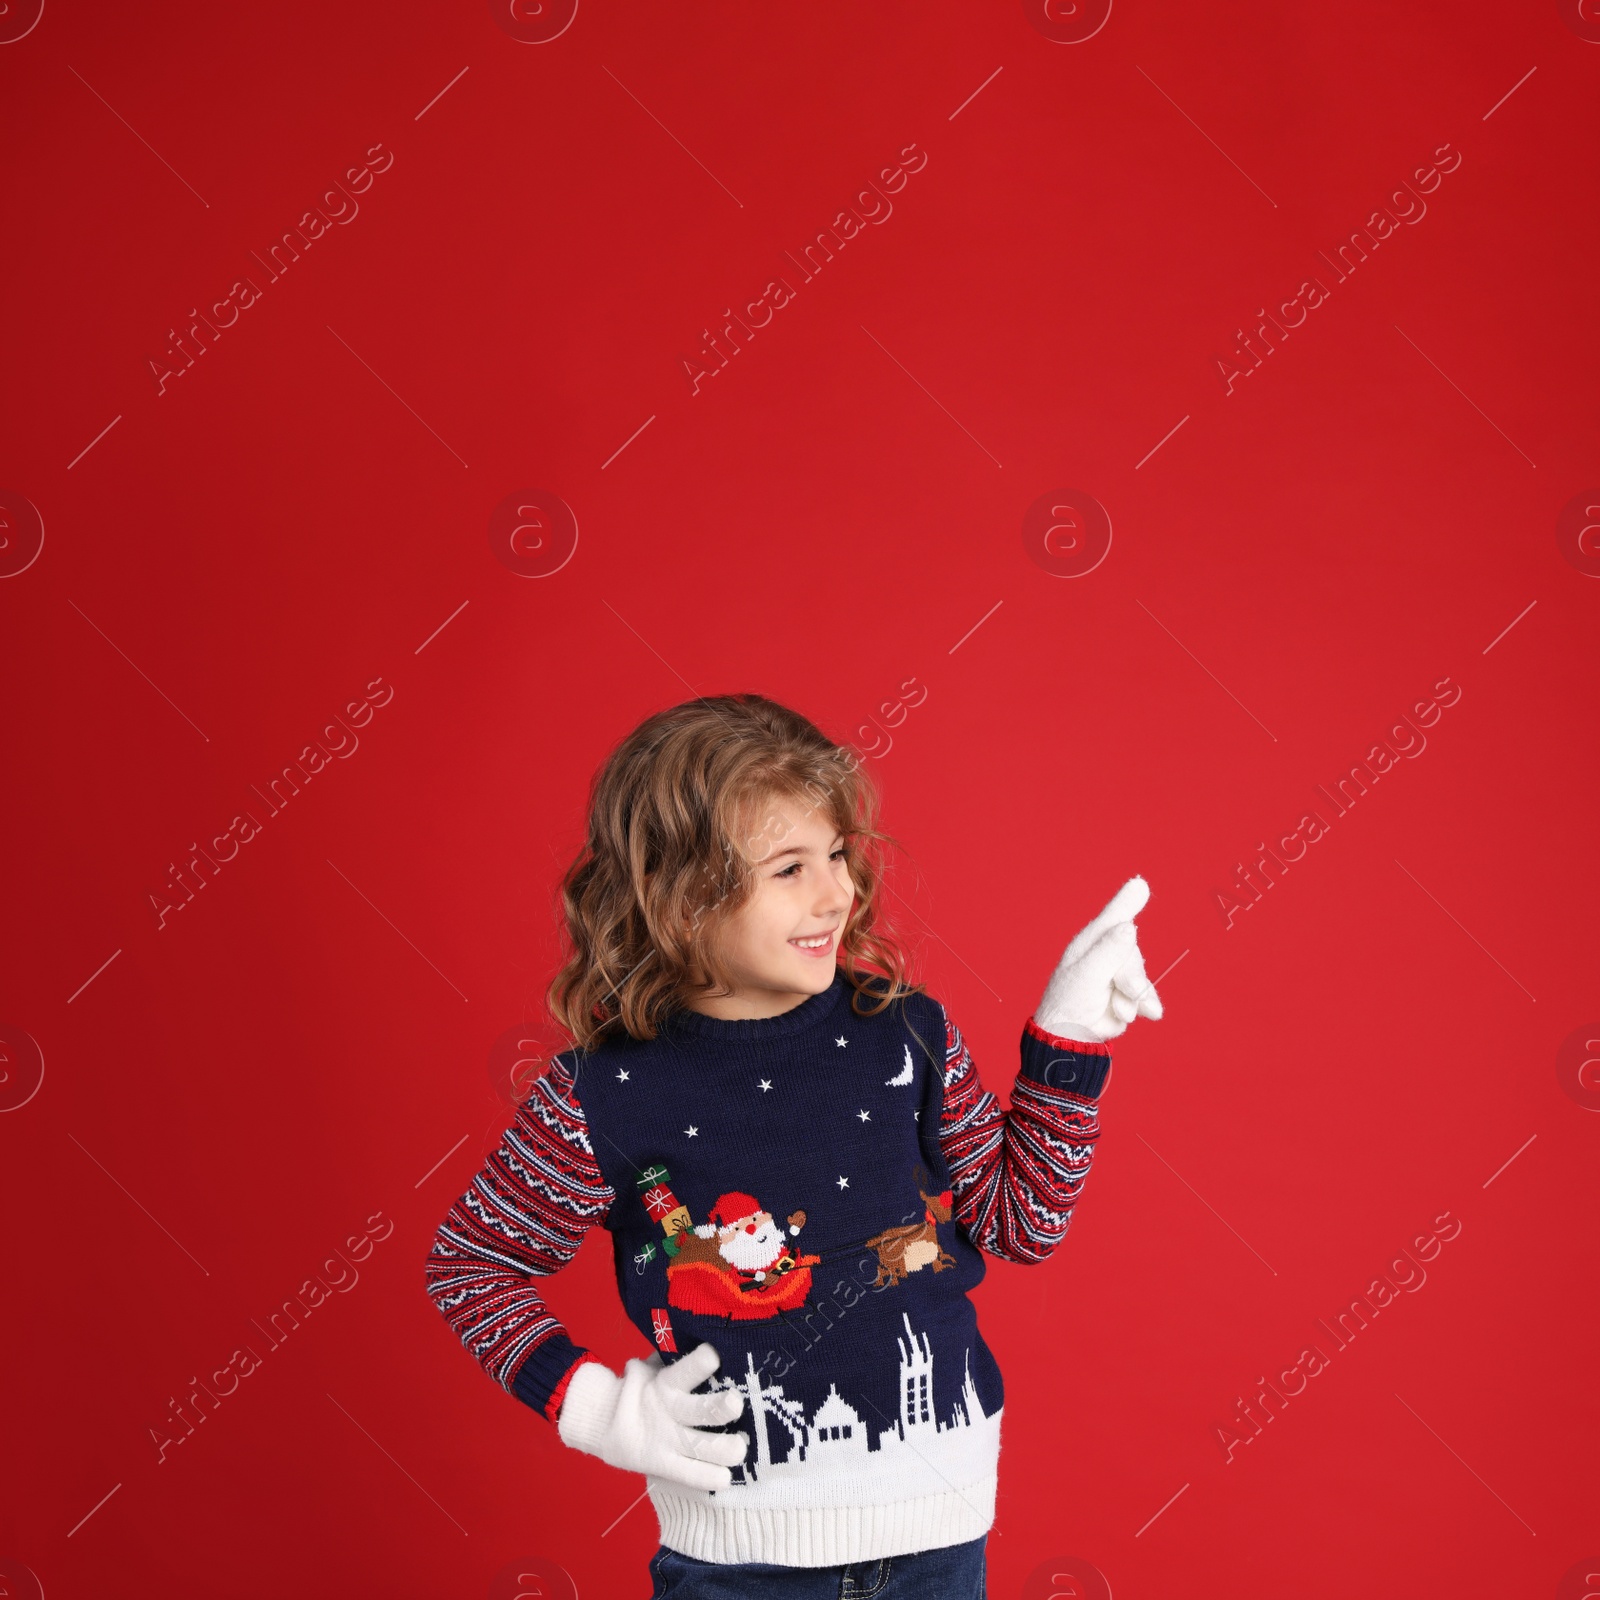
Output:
x=835 y=897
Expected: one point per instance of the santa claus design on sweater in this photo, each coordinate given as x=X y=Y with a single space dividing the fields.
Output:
x=740 y=1265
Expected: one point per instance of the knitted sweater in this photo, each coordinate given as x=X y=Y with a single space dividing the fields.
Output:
x=809 y=1192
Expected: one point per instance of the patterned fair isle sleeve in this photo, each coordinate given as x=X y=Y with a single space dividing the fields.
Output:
x=1017 y=1174
x=524 y=1216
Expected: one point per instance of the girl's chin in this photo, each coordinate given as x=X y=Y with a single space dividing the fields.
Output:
x=816 y=972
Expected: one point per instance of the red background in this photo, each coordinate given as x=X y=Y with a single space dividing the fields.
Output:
x=307 y=1044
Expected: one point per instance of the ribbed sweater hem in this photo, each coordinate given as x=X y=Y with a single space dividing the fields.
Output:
x=820 y=1536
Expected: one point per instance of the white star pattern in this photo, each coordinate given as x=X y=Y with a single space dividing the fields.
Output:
x=766 y=1083
x=844 y=1182
x=866 y=1116
x=622 y=1075
x=692 y=1131
x=917 y=1115
x=841 y=1041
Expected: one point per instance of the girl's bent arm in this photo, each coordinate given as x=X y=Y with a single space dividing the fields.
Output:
x=524 y=1216
x=1017 y=1174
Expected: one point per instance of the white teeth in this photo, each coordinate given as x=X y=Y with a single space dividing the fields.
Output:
x=812 y=944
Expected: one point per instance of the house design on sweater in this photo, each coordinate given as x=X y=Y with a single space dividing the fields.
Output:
x=915 y=1454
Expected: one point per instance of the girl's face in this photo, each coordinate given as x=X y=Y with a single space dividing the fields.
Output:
x=782 y=945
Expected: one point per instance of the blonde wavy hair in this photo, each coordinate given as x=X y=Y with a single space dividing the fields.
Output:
x=661 y=869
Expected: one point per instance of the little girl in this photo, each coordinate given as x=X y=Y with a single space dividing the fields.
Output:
x=790 y=1146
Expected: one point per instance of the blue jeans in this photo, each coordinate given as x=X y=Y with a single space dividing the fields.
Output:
x=954 y=1572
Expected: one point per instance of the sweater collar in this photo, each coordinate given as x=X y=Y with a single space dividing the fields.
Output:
x=812 y=1010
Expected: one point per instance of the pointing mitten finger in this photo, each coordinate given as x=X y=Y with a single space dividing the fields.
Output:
x=1123 y=906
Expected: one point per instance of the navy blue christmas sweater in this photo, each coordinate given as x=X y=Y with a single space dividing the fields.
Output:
x=812 y=1193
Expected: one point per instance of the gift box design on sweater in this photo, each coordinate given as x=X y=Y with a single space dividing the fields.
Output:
x=661 y=1330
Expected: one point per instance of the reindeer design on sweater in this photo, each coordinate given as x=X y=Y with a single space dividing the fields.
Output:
x=916 y=1245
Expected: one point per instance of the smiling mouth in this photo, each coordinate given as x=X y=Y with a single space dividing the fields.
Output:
x=815 y=944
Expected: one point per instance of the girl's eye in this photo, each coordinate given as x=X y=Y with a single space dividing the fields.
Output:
x=793 y=868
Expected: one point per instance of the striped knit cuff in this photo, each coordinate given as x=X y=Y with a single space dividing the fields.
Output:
x=541 y=1380
x=1075 y=1065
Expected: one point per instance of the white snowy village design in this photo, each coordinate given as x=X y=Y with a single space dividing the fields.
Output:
x=915 y=1454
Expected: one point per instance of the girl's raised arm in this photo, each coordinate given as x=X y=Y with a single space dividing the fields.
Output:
x=1016 y=1175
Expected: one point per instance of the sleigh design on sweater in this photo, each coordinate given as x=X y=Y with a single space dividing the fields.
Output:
x=698 y=1279
x=741 y=1265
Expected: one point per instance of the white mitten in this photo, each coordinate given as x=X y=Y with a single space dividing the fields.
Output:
x=647 y=1421
x=1099 y=987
